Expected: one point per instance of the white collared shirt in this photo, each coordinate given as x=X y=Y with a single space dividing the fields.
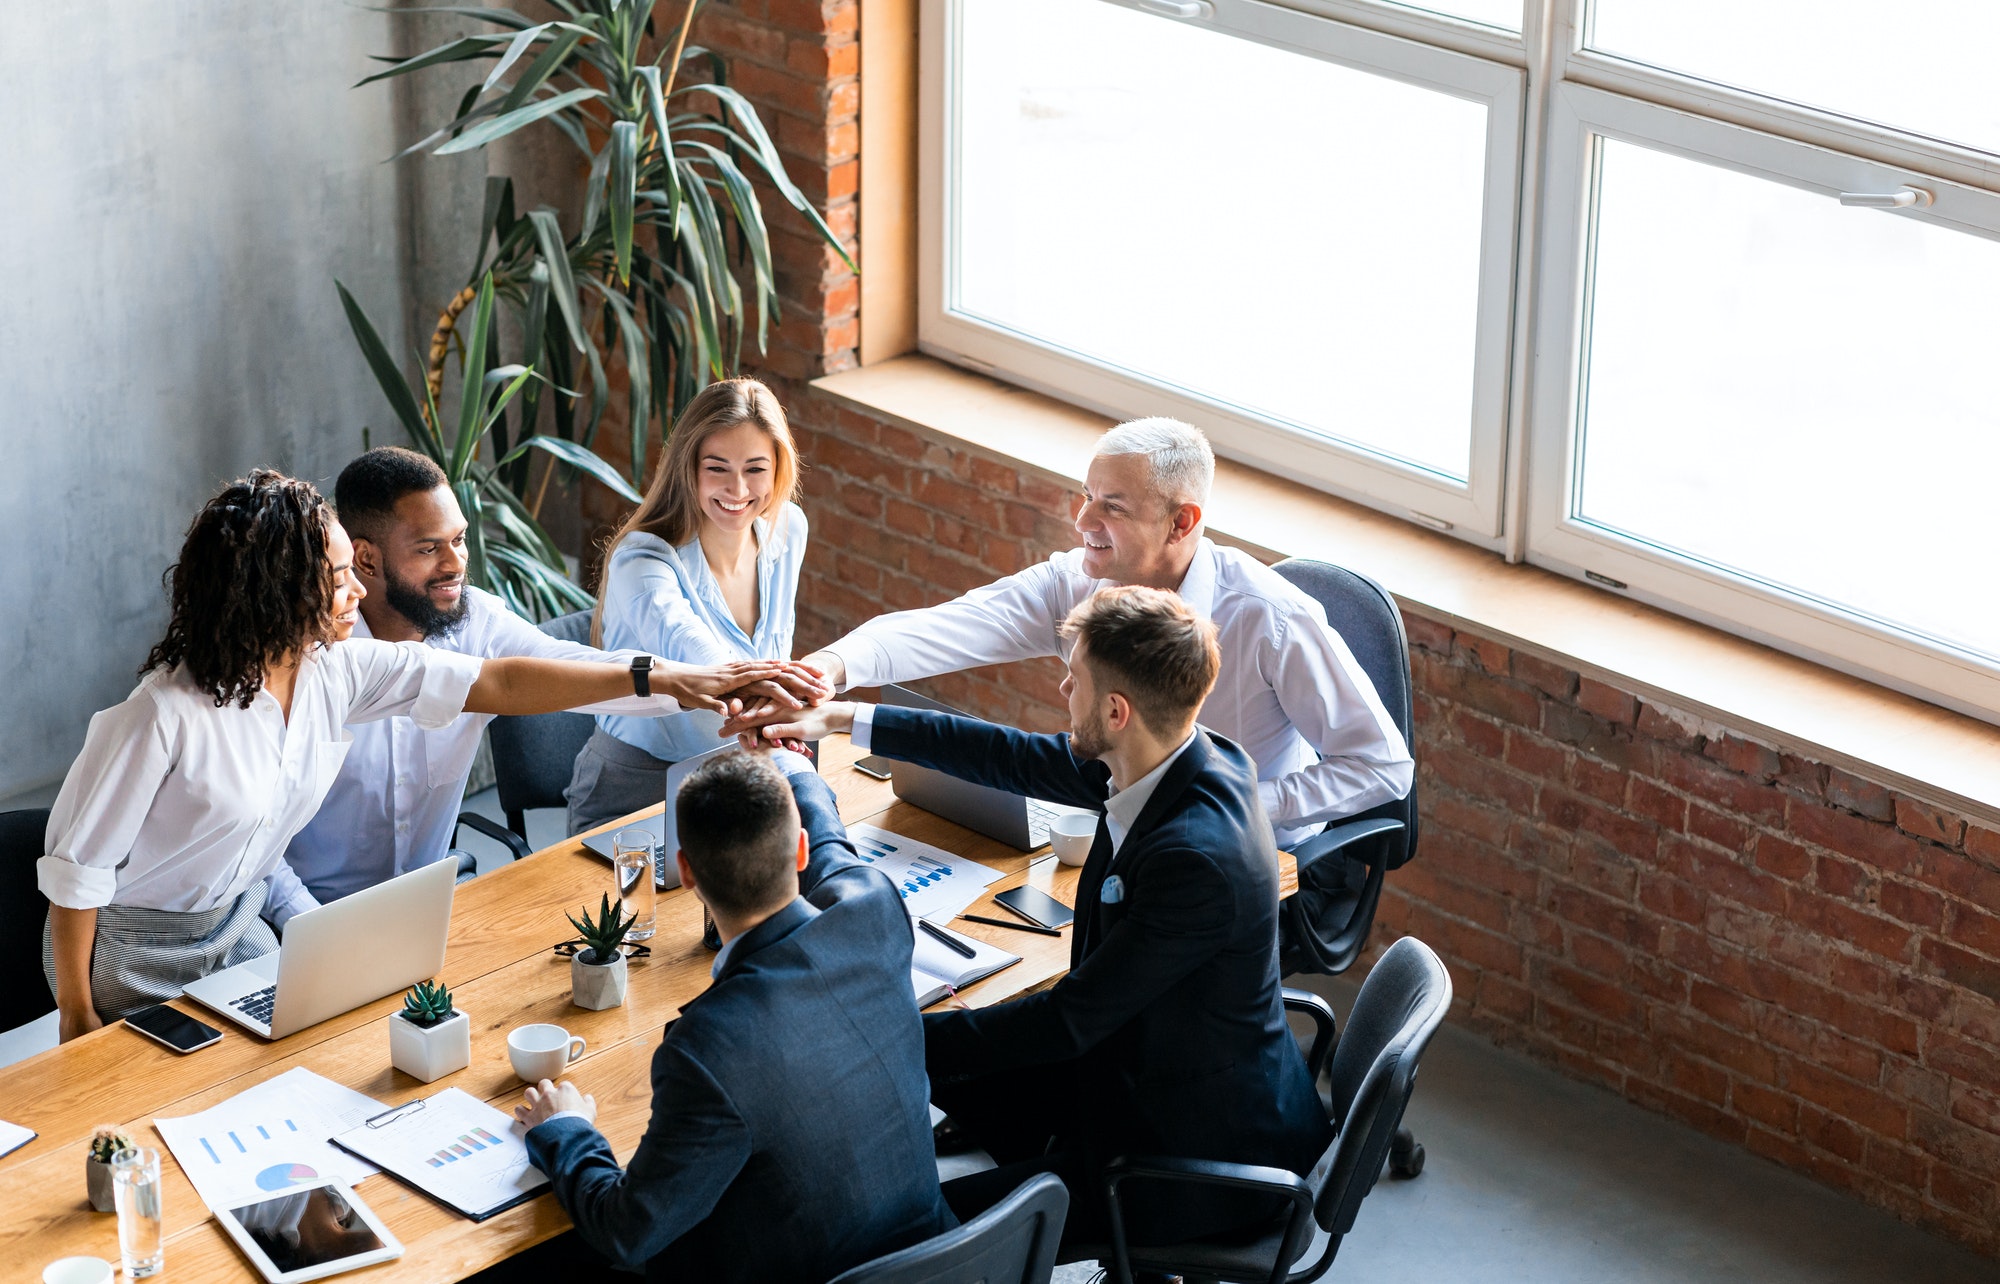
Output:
x=175 y=804
x=1122 y=808
x=1290 y=692
x=398 y=795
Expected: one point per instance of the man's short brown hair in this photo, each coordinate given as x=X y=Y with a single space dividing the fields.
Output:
x=1150 y=646
x=739 y=829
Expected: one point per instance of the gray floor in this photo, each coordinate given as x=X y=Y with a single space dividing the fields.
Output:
x=1531 y=1177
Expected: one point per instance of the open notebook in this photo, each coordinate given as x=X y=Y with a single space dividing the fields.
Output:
x=936 y=969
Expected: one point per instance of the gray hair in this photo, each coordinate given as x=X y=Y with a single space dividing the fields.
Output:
x=1182 y=465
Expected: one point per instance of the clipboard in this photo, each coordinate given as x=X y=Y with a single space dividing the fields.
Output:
x=454 y=1148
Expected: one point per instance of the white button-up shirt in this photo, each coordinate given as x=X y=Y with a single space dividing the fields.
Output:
x=398 y=794
x=1290 y=692
x=1122 y=806
x=175 y=804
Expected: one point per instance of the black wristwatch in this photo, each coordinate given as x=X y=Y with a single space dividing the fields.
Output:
x=642 y=675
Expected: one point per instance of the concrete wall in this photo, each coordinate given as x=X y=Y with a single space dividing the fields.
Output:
x=179 y=185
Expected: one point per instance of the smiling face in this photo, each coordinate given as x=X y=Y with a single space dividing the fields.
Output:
x=348 y=589
x=1131 y=534
x=733 y=476
x=418 y=565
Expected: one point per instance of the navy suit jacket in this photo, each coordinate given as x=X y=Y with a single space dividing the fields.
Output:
x=790 y=1137
x=1171 y=1009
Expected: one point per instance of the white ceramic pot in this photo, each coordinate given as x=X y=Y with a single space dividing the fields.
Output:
x=596 y=985
x=430 y=1052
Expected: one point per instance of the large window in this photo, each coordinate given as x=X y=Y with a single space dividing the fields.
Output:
x=1690 y=299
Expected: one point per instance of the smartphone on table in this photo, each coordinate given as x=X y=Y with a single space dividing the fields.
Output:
x=873 y=765
x=173 y=1028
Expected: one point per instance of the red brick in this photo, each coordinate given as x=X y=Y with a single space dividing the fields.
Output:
x=1744 y=757
x=1717 y=875
x=1599 y=914
x=1786 y=859
x=1972 y=928
x=1476 y=776
x=1925 y=821
x=1962 y=876
x=1502 y=698
x=1491 y=656
x=1486 y=824
x=1427 y=634
x=1480 y=734
x=1671 y=897
x=1723 y=1046
x=1607 y=702
x=1883 y=846
x=1905 y=1167
x=1529 y=753
x=1716 y=785
x=1544 y=676
x=1961 y=1190
x=1599 y=739
x=1659 y=724
x=1638 y=839
x=1777 y=1110
x=1648 y=800
x=1951 y=1141
x=1838 y=876
x=1843 y=922
x=1865 y=797
x=1597 y=781
x=1599 y=997
x=1859 y=1103
x=1924 y=908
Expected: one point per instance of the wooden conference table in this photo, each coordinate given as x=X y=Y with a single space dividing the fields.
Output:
x=500 y=970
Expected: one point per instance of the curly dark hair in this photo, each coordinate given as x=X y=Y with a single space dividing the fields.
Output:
x=252 y=583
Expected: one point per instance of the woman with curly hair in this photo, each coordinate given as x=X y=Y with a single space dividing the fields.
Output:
x=165 y=849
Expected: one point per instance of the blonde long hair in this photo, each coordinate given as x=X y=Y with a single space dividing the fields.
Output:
x=671 y=509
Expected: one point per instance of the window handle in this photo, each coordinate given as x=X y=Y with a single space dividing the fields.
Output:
x=1900 y=199
x=1179 y=8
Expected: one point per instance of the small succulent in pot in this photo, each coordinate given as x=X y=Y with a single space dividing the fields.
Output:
x=597 y=971
x=105 y=1141
x=429 y=1037
x=427 y=1004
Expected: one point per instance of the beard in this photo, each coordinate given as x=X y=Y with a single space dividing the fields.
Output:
x=1090 y=739
x=414 y=604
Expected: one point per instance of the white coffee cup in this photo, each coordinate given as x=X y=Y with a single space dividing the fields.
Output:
x=77 y=1270
x=539 y=1052
x=1071 y=834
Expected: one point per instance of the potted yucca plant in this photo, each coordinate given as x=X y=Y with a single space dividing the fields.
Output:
x=429 y=1038
x=597 y=970
x=105 y=1141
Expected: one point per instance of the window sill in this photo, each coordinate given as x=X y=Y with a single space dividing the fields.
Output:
x=1790 y=704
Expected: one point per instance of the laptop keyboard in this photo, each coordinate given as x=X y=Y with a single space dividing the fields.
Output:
x=257 y=1006
x=1040 y=817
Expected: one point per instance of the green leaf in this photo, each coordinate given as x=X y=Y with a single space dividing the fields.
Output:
x=498 y=215
x=472 y=397
x=383 y=366
x=544 y=66
x=624 y=149
x=556 y=254
x=503 y=125
x=459 y=50
x=743 y=201
x=766 y=154
x=474 y=509
x=593 y=192
x=577 y=457
x=656 y=106
x=515 y=48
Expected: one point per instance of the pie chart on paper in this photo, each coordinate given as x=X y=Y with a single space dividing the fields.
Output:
x=279 y=1176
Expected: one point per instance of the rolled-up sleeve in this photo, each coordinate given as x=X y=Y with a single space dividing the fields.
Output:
x=392 y=679
x=127 y=753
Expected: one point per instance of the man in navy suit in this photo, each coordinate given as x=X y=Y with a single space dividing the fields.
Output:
x=1168 y=1035
x=790 y=1138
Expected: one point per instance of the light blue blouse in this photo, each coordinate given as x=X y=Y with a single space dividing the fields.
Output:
x=665 y=600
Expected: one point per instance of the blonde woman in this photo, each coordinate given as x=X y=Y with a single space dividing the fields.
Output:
x=704 y=572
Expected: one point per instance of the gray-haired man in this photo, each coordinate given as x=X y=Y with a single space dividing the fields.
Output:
x=1290 y=692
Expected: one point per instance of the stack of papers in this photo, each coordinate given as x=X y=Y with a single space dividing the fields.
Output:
x=456 y=1149
x=269 y=1138
x=935 y=884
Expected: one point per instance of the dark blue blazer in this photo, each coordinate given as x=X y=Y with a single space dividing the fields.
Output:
x=790 y=1136
x=1171 y=1009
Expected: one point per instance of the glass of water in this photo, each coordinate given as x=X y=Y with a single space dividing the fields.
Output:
x=135 y=1185
x=632 y=863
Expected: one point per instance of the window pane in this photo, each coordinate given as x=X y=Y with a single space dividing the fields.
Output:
x=1795 y=391
x=1287 y=236
x=1505 y=14
x=1922 y=65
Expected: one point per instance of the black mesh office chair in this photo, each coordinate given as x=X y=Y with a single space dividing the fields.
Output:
x=534 y=755
x=24 y=990
x=1013 y=1242
x=1372 y=1069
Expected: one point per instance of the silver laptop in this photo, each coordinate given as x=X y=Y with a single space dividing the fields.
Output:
x=340 y=956
x=1019 y=822
x=663 y=827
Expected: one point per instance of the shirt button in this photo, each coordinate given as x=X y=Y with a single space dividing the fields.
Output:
x=402 y=826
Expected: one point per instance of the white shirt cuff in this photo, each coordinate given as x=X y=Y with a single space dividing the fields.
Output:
x=861 y=660
x=863 y=733
x=1267 y=793
x=448 y=679
x=75 y=886
x=792 y=764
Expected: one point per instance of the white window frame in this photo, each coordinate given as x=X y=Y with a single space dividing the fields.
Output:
x=1472 y=508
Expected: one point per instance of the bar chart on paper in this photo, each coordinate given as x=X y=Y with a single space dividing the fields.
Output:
x=934 y=882
x=477 y=1139
x=268 y=1138
x=453 y=1147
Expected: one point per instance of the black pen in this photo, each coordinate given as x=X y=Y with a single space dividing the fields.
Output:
x=950 y=941
x=1019 y=927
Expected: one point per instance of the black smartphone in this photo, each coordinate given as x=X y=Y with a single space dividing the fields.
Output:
x=1036 y=906
x=172 y=1027
x=874 y=765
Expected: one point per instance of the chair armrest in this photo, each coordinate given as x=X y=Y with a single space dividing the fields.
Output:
x=1209 y=1172
x=495 y=830
x=1326 y=1026
x=1337 y=837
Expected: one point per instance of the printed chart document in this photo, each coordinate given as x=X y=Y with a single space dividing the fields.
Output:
x=935 y=884
x=269 y=1138
x=454 y=1148
x=934 y=966
x=13 y=1137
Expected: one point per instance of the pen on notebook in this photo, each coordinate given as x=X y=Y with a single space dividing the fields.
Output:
x=957 y=946
x=1018 y=927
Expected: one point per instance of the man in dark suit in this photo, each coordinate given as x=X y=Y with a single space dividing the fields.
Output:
x=1168 y=1035
x=789 y=1138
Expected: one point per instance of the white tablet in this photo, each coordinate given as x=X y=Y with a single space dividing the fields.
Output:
x=309 y=1232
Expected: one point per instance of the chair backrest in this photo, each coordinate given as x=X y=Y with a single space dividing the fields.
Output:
x=533 y=756
x=24 y=990
x=1013 y=1242
x=1400 y=1007
x=1367 y=619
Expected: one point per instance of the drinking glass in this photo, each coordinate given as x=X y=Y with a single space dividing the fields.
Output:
x=135 y=1185
x=632 y=863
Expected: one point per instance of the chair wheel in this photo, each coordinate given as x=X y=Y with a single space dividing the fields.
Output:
x=1406 y=1164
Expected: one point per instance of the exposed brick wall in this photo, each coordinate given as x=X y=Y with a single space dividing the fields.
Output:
x=1778 y=952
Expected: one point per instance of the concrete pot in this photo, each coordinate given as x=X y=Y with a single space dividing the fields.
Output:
x=596 y=985
x=430 y=1052
x=97 y=1182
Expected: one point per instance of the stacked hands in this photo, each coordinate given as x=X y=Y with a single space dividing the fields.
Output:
x=763 y=721
x=781 y=686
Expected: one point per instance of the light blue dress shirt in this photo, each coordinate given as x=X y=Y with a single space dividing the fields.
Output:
x=665 y=601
